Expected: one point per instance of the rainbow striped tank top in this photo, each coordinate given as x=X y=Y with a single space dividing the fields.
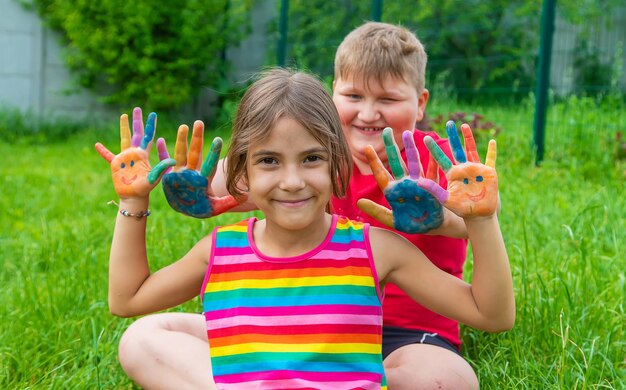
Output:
x=308 y=322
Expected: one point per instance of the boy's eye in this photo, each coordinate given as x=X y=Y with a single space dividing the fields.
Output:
x=354 y=97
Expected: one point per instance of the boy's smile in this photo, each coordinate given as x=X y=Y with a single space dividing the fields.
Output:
x=366 y=108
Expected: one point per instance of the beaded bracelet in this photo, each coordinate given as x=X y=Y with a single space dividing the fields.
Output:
x=138 y=215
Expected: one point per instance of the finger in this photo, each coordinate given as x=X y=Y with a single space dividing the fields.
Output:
x=104 y=152
x=195 y=149
x=393 y=154
x=124 y=133
x=223 y=204
x=455 y=142
x=435 y=151
x=158 y=171
x=180 y=149
x=432 y=172
x=380 y=173
x=435 y=189
x=149 y=131
x=162 y=152
x=412 y=155
x=376 y=211
x=470 y=145
x=162 y=149
x=137 y=126
x=210 y=163
x=490 y=161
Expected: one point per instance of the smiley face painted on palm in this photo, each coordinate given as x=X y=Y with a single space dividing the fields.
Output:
x=414 y=209
x=186 y=192
x=473 y=187
x=128 y=168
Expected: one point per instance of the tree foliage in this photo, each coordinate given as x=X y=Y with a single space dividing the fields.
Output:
x=156 y=53
x=486 y=47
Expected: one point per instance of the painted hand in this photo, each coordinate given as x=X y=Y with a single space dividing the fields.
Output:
x=472 y=186
x=416 y=202
x=186 y=189
x=131 y=171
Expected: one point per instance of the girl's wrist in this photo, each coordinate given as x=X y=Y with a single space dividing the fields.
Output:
x=134 y=207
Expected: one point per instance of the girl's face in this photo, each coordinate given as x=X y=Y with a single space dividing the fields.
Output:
x=288 y=177
x=366 y=109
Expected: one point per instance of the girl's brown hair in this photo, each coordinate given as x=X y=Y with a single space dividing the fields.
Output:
x=281 y=93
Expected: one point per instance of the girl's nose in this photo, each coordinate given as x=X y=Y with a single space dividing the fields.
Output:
x=369 y=112
x=291 y=179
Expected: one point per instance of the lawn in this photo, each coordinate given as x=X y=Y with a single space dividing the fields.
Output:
x=564 y=224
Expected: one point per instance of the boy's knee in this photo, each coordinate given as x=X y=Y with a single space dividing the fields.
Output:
x=402 y=378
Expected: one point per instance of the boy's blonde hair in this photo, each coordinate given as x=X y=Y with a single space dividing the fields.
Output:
x=281 y=93
x=378 y=50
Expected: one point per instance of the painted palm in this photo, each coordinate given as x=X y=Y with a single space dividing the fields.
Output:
x=415 y=201
x=130 y=169
x=187 y=186
x=472 y=186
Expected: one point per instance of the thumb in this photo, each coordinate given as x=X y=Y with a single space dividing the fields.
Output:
x=376 y=211
x=159 y=170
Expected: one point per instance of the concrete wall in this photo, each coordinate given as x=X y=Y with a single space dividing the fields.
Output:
x=32 y=75
x=34 y=79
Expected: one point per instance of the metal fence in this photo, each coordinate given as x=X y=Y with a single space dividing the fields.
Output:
x=494 y=58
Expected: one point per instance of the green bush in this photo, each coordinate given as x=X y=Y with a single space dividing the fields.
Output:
x=157 y=53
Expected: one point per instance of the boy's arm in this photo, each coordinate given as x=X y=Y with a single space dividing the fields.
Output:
x=452 y=226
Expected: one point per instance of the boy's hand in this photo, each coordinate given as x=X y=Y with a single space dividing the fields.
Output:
x=416 y=202
x=472 y=186
x=186 y=189
x=131 y=172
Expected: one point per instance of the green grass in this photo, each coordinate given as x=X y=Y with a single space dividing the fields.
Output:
x=564 y=225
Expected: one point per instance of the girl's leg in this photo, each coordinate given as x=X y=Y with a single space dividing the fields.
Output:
x=424 y=366
x=167 y=351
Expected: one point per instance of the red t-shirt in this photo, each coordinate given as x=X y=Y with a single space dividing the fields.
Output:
x=446 y=253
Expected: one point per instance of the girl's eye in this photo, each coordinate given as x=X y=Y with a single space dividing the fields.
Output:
x=267 y=161
x=312 y=158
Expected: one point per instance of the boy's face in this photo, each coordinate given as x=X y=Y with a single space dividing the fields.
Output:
x=366 y=109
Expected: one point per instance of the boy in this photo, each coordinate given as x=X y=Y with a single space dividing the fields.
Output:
x=379 y=82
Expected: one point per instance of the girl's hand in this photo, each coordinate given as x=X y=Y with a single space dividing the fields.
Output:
x=416 y=202
x=132 y=175
x=186 y=189
x=472 y=186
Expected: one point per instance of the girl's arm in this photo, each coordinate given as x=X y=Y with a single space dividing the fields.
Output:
x=487 y=304
x=132 y=290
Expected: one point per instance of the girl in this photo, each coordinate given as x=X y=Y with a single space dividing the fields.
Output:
x=293 y=300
